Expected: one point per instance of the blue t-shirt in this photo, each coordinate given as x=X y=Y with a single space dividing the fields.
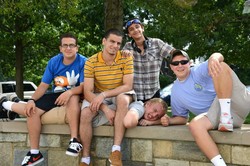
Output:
x=64 y=76
x=195 y=94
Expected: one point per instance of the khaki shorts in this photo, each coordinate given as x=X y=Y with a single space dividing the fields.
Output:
x=56 y=115
x=240 y=105
x=100 y=118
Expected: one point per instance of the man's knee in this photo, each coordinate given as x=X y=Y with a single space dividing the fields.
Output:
x=86 y=115
x=225 y=69
x=123 y=99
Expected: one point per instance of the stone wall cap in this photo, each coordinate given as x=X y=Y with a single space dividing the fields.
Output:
x=240 y=136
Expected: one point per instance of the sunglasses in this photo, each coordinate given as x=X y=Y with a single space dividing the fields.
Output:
x=134 y=21
x=182 y=62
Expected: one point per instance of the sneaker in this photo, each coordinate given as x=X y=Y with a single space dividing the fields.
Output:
x=3 y=98
x=3 y=112
x=13 y=97
x=84 y=164
x=10 y=114
x=226 y=123
x=32 y=159
x=115 y=158
x=74 y=148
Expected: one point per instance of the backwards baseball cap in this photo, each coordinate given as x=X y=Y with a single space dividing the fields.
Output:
x=130 y=22
x=178 y=52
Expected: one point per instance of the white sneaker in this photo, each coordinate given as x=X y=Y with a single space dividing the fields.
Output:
x=74 y=148
x=13 y=97
x=226 y=123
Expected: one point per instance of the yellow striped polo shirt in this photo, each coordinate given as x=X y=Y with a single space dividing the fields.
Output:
x=107 y=77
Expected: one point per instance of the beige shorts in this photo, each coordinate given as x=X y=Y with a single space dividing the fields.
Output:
x=240 y=105
x=56 y=115
x=100 y=118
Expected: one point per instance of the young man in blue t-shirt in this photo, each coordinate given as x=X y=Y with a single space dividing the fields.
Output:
x=66 y=71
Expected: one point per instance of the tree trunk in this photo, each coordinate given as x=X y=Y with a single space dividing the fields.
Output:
x=19 y=67
x=113 y=10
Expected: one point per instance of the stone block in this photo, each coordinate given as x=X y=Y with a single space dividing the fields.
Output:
x=100 y=162
x=49 y=140
x=6 y=154
x=103 y=146
x=170 y=162
x=64 y=139
x=225 y=151
x=12 y=137
x=162 y=149
x=58 y=157
x=136 y=163
x=141 y=150
x=241 y=155
x=187 y=151
x=200 y=164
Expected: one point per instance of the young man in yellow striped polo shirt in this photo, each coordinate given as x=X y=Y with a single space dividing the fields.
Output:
x=107 y=92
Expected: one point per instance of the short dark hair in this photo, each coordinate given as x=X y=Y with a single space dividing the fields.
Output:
x=113 y=31
x=68 y=35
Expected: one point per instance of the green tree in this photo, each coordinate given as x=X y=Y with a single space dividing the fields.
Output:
x=202 y=28
x=30 y=31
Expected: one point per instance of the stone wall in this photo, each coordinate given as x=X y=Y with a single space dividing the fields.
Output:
x=142 y=146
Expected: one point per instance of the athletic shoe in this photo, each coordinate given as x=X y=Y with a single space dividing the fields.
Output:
x=3 y=98
x=13 y=97
x=226 y=123
x=74 y=148
x=32 y=159
x=115 y=158
x=3 y=112
x=84 y=164
x=10 y=114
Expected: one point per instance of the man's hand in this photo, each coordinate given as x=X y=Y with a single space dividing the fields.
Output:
x=144 y=122
x=126 y=53
x=165 y=120
x=63 y=98
x=30 y=108
x=96 y=102
x=110 y=115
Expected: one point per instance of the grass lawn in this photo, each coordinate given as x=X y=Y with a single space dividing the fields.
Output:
x=247 y=121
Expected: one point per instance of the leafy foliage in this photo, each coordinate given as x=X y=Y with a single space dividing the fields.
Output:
x=202 y=28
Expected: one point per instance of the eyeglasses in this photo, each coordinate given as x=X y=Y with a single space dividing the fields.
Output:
x=134 y=21
x=182 y=62
x=68 y=45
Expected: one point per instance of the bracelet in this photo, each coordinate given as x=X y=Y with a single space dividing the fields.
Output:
x=103 y=95
x=32 y=100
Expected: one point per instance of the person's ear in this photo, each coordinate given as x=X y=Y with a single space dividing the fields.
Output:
x=103 y=41
x=142 y=27
x=147 y=103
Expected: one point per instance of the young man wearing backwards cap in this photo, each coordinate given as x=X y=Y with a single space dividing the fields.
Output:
x=212 y=91
x=148 y=55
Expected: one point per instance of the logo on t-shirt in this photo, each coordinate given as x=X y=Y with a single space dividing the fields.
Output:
x=63 y=83
x=198 y=87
